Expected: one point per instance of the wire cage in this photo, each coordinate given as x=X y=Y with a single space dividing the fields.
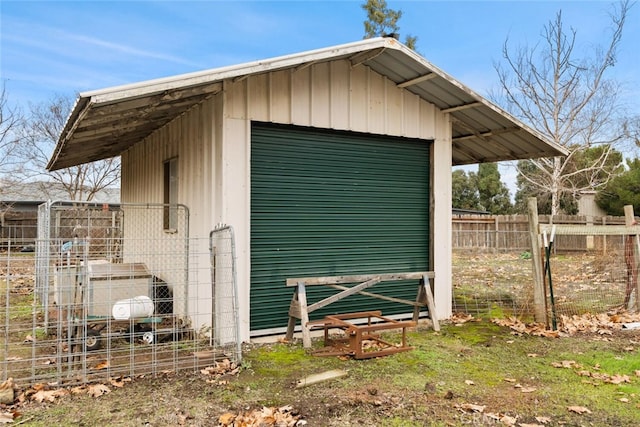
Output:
x=112 y=290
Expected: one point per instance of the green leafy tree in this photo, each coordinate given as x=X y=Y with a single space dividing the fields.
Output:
x=464 y=191
x=570 y=100
x=383 y=21
x=622 y=190
x=493 y=193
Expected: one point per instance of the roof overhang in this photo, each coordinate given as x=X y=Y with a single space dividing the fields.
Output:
x=105 y=123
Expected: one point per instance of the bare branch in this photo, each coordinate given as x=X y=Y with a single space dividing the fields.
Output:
x=571 y=101
x=39 y=136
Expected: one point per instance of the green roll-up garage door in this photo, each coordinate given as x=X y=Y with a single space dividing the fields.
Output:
x=327 y=203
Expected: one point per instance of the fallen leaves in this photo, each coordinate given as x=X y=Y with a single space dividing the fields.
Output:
x=218 y=370
x=460 y=318
x=282 y=416
x=567 y=364
x=119 y=382
x=43 y=395
x=605 y=378
x=102 y=365
x=602 y=324
x=520 y=328
x=579 y=409
x=6 y=417
x=97 y=390
x=528 y=389
x=471 y=407
x=488 y=417
x=7 y=392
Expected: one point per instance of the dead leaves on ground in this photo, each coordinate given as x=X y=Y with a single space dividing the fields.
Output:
x=218 y=370
x=602 y=324
x=284 y=416
x=579 y=409
x=520 y=328
x=43 y=393
x=600 y=376
x=479 y=415
x=49 y=393
x=459 y=318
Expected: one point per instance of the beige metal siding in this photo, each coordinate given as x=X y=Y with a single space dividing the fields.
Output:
x=189 y=138
x=212 y=141
x=332 y=95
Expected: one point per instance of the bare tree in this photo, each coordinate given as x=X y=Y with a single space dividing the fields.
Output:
x=568 y=99
x=41 y=130
x=10 y=122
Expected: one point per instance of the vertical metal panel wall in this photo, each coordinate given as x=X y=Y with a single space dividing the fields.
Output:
x=325 y=203
x=213 y=141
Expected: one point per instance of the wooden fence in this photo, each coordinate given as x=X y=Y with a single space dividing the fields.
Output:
x=18 y=228
x=501 y=233
x=505 y=233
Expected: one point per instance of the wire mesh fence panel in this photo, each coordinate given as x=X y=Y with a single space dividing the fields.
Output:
x=597 y=280
x=493 y=285
x=224 y=289
x=110 y=292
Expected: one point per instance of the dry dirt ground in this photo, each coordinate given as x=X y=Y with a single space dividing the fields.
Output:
x=477 y=373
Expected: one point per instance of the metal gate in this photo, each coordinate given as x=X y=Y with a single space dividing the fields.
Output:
x=224 y=290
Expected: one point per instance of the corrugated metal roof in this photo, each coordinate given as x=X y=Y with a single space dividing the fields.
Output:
x=104 y=123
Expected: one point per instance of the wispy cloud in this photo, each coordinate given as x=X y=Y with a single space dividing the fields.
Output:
x=125 y=49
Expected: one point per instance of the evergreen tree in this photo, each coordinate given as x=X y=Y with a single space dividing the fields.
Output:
x=493 y=193
x=622 y=190
x=383 y=21
x=464 y=191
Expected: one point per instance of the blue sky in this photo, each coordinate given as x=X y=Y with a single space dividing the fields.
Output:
x=64 y=47
x=52 y=48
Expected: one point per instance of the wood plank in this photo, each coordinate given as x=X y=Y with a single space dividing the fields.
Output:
x=321 y=377
x=431 y=304
x=342 y=295
x=385 y=277
x=539 y=300
x=591 y=230
x=294 y=313
x=304 y=315
x=378 y=296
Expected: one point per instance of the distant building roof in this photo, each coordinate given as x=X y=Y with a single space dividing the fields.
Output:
x=42 y=191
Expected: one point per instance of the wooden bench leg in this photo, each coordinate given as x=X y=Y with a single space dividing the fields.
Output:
x=294 y=313
x=304 y=315
x=431 y=304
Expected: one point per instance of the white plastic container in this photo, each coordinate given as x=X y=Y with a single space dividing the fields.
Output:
x=140 y=306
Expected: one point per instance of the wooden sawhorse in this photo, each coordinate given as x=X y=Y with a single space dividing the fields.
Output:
x=299 y=309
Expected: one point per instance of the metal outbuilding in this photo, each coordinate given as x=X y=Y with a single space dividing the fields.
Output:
x=331 y=161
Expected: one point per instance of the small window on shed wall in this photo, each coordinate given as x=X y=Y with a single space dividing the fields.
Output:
x=170 y=194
